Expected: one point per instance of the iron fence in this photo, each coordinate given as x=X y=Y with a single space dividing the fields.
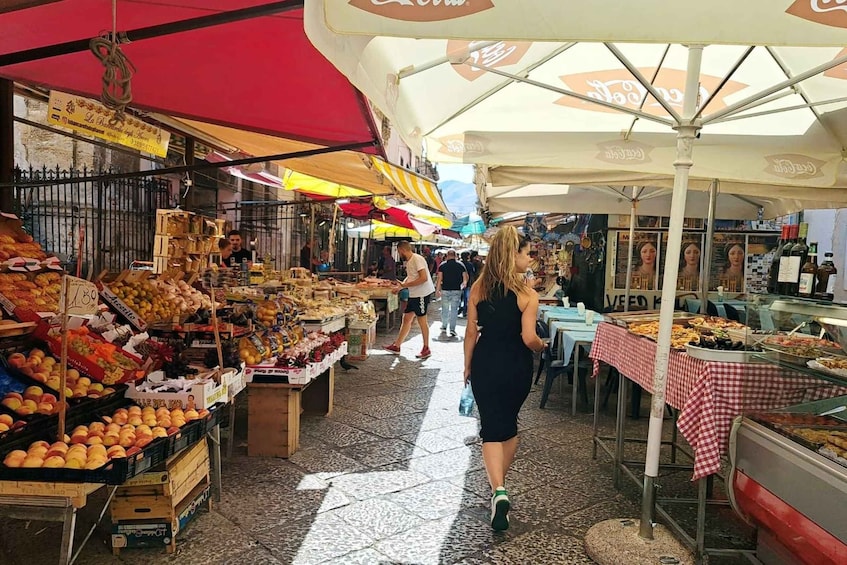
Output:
x=96 y=225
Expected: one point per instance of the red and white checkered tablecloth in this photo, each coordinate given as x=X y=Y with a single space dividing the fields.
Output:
x=709 y=394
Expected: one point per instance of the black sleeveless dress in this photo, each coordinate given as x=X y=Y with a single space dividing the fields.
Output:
x=501 y=368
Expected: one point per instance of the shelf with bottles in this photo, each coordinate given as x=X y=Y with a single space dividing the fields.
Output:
x=794 y=270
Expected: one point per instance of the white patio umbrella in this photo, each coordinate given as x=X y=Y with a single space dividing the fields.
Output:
x=766 y=119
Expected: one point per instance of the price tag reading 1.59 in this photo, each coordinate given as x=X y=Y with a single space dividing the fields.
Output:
x=82 y=297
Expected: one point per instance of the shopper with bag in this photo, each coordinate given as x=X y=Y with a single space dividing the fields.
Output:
x=499 y=342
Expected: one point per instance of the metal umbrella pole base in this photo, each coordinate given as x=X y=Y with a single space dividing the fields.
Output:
x=617 y=541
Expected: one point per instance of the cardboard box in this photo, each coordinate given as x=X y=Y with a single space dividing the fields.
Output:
x=159 y=533
x=203 y=395
x=234 y=380
x=121 y=308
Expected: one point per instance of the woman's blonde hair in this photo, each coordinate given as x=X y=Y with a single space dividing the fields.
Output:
x=499 y=274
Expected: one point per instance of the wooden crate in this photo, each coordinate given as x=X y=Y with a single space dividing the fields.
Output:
x=160 y=497
x=273 y=420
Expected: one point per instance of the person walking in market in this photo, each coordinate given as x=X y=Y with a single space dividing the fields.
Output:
x=471 y=270
x=499 y=342
x=450 y=283
x=418 y=281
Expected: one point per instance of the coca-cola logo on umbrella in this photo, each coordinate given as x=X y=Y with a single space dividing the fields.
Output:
x=621 y=152
x=460 y=145
x=828 y=12
x=618 y=86
x=840 y=71
x=422 y=10
x=794 y=166
x=501 y=54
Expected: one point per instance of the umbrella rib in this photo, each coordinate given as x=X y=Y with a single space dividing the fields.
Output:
x=644 y=82
x=412 y=70
x=501 y=86
x=644 y=99
x=776 y=88
x=809 y=105
x=805 y=98
x=725 y=80
x=570 y=93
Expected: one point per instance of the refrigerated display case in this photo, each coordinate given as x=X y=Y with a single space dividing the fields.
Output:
x=789 y=462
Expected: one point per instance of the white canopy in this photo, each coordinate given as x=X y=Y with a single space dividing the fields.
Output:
x=758 y=22
x=603 y=109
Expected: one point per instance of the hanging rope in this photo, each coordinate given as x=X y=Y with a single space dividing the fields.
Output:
x=117 y=90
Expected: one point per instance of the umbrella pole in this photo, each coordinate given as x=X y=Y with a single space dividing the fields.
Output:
x=707 y=248
x=686 y=134
x=632 y=212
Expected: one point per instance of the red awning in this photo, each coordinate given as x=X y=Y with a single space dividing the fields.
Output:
x=260 y=74
x=366 y=209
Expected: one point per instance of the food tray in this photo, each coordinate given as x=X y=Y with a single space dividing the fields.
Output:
x=722 y=355
x=818 y=366
x=624 y=319
x=782 y=355
x=832 y=456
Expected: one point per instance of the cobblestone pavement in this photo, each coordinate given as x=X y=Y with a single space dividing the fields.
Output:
x=394 y=476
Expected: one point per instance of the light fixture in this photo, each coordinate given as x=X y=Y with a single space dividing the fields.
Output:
x=342 y=201
x=351 y=224
x=323 y=223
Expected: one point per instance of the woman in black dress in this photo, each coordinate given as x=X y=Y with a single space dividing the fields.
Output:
x=499 y=342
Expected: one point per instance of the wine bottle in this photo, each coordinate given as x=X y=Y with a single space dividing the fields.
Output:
x=785 y=260
x=808 y=274
x=826 y=278
x=773 y=273
x=799 y=254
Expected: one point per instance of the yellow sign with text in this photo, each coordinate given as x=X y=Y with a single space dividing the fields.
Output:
x=85 y=116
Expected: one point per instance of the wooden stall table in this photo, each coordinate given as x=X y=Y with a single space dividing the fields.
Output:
x=273 y=413
x=385 y=297
x=51 y=502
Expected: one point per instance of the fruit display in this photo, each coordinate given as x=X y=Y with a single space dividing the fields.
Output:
x=46 y=369
x=267 y=313
x=20 y=244
x=312 y=349
x=185 y=297
x=7 y=423
x=107 y=356
x=145 y=299
x=311 y=309
x=33 y=401
x=60 y=454
x=39 y=293
x=252 y=350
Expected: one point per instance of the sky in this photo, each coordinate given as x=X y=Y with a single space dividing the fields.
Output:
x=457 y=188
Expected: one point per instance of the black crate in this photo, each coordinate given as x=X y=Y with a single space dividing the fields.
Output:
x=115 y=472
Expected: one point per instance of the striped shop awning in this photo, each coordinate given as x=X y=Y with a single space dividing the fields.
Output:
x=412 y=185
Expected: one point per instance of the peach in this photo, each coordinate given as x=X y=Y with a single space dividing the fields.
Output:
x=40 y=377
x=26 y=370
x=32 y=461
x=47 y=397
x=108 y=390
x=127 y=440
x=133 y=450
x=54 y=383
x=40 y=443
x=55 y=462
x=97 y=427
x=135 y=420
x=73 y=374
x=17 y=360
x=191 y=415
x=6 y=419
x=110 y=440
x=113 y=428
x=14 y=395
x=83 y=380
x=38 y=451
x=74 y=463
x=44 y=408
x=159 y=431
x=34 y=361
x=4 y=427
x=15 y=458
x=12 y=403
x=95 y=463
x=79 y=438
x=38 y=352
x=94 y=440
x=96 y=450
x=116 y=451
x=33 y=392
x=142 y=442
x=69 y=393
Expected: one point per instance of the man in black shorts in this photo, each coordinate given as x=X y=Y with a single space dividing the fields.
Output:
x=419 y=282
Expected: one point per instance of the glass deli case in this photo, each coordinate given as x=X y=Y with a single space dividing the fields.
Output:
x=789 y=449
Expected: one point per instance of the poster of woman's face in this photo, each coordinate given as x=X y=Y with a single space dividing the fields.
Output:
x=645 y=257
x=728 y=259
x=689 y=264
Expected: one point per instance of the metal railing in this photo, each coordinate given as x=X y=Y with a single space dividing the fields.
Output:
x=98 y=224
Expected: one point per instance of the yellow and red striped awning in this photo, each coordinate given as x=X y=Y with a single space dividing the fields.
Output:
x=412 y=185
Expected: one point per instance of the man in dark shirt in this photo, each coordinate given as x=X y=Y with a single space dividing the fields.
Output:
x=306 y=256
x=452 y=280
x=471 y=269
x=239 y=254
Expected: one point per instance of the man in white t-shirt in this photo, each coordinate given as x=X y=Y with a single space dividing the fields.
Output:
x=419 y=282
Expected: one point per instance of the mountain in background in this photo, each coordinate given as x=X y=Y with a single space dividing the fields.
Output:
x=460 y=197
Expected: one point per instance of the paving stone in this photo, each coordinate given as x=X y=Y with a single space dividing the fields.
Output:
x=379 y=518
x=326 y=462
x=446 y=540
x=377 y=482
x=545 y=547
x=381 y=453
x=435 y=500
x=447 y=463
x=312 y=541
x=432 y=442
x=396 y=426
x=334 y=433
x=547 y=505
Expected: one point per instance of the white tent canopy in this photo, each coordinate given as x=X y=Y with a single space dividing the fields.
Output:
x=601 y=109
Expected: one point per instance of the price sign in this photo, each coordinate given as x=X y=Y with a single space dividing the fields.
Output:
x=81 y=296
